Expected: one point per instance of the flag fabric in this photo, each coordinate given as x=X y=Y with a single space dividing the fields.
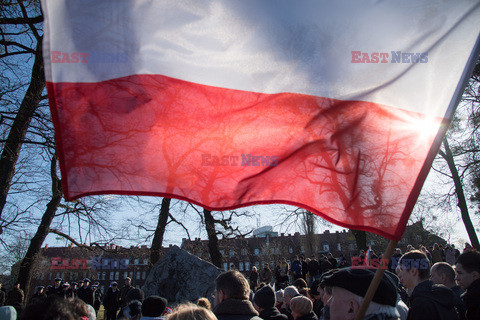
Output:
x=332 y=106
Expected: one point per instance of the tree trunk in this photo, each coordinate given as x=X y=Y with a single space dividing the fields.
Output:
x=360 y=239
x=155 y=250
x=17 y=134
x=215 y=254
x=26 y=267
x=462 y=203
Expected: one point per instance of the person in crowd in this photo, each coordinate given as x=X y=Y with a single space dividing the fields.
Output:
x=332 y=260
x=264 y=302
x=467 y=267
x=288 y=294
x=38 y=293
x=111 y=301
x=3 y=296
x=72 y=290
x=425 y=251
x=349 y=286
x=85 y=293
x=313 y=270
x=123 y=292
x=300 y=284
x=97 y=297
x=401 y=306
x=443 y=273
x=279 y=299
x=153 y=308
x=392 y=264
x=325 y=265
x=57 y=288
x=189 y=311
x=450 y=254
x=65 y=290
x=133 y=308
x=304 y=267
x=296 y=268
x=316 y=298
x=302 y=308
x=266 y=274
x=427 y=300
x=231 y=297
x=436 y=254
x=204 y=302
x=15 y=296
x=232 y=267
x=53 y=308
x=254 y=279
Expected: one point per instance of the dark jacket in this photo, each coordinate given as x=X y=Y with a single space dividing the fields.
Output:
x=2 y=298
x=433 y=302
x=460 y=305
x=296 y=268
x=272 y=314
x=286 y=311
x=471 y=297
x=310 y=316
x=15 y=297
x=235 y=309
x=111 y=300
x=86 y=294
x=313 y=268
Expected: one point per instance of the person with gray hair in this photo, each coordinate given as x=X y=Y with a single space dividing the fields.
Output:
x=444 y=274
x=289 y=293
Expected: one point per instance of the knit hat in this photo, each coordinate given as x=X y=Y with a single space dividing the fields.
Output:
x=153 y=306
x=265 y=297
x=357 y=281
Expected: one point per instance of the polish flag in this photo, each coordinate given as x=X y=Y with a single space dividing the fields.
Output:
x=337 y=107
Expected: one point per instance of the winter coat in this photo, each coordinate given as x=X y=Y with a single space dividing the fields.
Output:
x=133 y=311
x=313 y=268
x=286 y=311
x=471 y=297
x=266 y=275
x=460 y=305
x=86 y=294
x=433 y=302
x=111 y=300
x=235 y=309
x=2 y=297
x=296 y=268
x=15 y=297
x=272 y=314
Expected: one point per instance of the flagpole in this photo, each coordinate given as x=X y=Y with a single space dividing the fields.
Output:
x=376 y=281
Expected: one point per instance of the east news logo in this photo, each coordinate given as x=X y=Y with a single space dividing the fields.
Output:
x=392 y=57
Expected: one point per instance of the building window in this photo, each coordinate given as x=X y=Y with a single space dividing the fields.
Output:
x=243 y=252
x=138 y=275
x=145 y=261
x=225 y=266
x=111 y=275
x=131 y=274
x=290 y=249
x=125 y=275
x=144 y=275
x=232 y=253
x=99 y=275
x=117 y=275
x=339 y=247
x=247 y=266
x=103 y=275
x=137 y=261
x=302 y=249
x=256 y=252
x=49 y=276
x=127 y=261
x=240 y=266
x=326 y=247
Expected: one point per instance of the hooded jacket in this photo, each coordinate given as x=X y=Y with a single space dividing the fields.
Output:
x=471 y=297
x=272 y=314
x=433 y=302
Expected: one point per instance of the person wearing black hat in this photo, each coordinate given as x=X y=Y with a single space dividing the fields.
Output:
x=264 y=302
x=427 y=300
x=111 y=301
x=57 y=288
x=85 y=293
x=350 y=286
x=153 y=308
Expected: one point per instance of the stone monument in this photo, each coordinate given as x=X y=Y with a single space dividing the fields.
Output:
x=180 y=276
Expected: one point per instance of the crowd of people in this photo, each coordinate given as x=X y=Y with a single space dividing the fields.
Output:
x=419 y=284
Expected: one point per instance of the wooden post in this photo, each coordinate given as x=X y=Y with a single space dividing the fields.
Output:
x=376 y=281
